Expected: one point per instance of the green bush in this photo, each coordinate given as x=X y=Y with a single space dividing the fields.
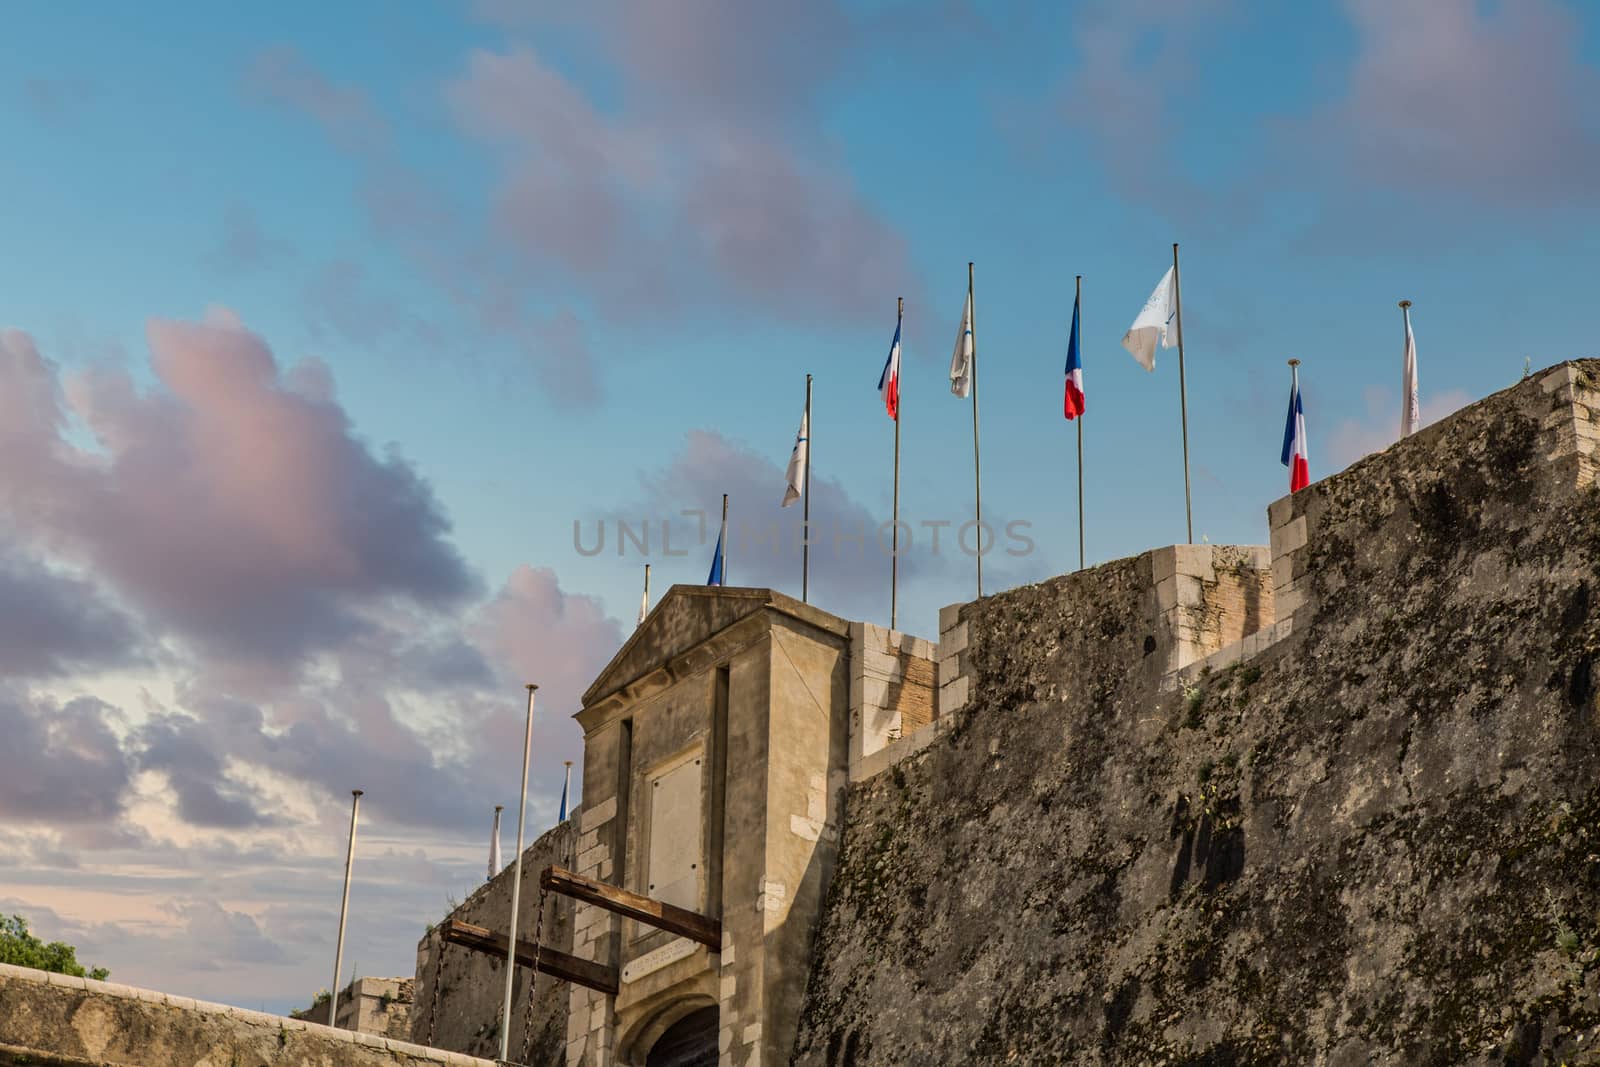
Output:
x=21 y=948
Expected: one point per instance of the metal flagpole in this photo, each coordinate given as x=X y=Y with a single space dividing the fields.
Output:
x=494 y=843
x=646 y=603
x=1183 y=396
x=894 y=549
x=1405 y=381
x=723 y=539
x=344 y=908
x=1077 y=304
x=516 y=887
x=805 y=504
x=977 y=468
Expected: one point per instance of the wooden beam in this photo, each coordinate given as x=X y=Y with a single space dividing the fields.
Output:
x=651 y=912
x=556 y=964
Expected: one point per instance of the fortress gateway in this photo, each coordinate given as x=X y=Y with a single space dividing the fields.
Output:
x=1335 y=800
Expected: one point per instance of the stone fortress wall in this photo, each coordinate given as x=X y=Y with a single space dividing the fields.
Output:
x=1366 y=832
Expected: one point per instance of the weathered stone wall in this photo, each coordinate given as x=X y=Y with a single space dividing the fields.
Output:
x=891 y=687
x=77 y=1022
x=471 y=984
x=1374 y=838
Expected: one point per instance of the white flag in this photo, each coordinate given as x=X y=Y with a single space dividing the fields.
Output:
x=961 y=359
x=798 y=459
x=644 y=606
x=1155 y=323
x=1411 y=412
x=494 y=846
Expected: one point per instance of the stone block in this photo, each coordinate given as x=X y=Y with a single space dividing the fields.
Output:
x=1167 y=594
x=953 y=697
x=954 y=641
x=1564 y=375
x=1289 y=537
x=598 y=815
x=1280 y=511
x=949 y=615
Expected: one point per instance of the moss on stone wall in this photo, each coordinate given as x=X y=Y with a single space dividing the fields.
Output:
x=1376 y=842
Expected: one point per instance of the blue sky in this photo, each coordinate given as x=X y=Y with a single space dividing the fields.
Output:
x=575 y=267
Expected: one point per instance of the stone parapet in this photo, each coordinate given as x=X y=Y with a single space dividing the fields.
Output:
x=78 y=1022
x=892 y=687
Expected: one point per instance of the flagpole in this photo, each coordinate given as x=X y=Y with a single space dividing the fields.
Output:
x=344 y=908
x=894 y=550
x=977 y=467
x=1183 y=397
x=1405 y=382
x=723 y=539
x=494 y=843
x=805 y=504
x=566 y=789
x=516 y=886
x=646 y=604
x=1077 y=305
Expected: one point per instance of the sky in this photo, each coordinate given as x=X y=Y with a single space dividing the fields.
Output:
x=336 y=341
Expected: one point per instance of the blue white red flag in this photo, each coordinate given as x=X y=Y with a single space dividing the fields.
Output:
x=715 y=577
x=889 y=380
x=1295 y=455
x=1073 y=402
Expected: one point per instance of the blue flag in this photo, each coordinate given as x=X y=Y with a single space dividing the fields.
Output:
x=563 y=816
x=715 y=577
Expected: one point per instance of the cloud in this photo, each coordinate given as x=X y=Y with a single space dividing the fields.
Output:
x=285 y=75
x=709 y=179
x=1489 y=101
x=55 y=100
x=243 y=247
x=60 y=763
x=52 y=624
x=224 y=502
x=1353 y=439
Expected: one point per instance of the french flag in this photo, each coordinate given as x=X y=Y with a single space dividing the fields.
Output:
x=1073 y=404
x=889 y=381
x=1295 y=455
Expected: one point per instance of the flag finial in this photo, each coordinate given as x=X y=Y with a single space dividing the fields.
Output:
x=1405 y=303
x=1294 y=363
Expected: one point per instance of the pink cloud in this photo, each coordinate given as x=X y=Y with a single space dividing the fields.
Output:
x=1353 y=439
x=241 y=513
x=1490 y=99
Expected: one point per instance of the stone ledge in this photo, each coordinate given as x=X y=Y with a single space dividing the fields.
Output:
x=44 y=995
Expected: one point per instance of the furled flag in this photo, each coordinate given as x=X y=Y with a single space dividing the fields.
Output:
x=961 y=358
x=494 y=845
x=644 y=606
x=889 y=380
x=1073 y=403
x=1155 y=323
x=562 y=816
x=715 y=577
x=1295 y=455
x=1411 y=414
x=796 y=476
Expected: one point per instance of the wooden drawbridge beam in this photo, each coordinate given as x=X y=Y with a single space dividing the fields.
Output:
x=648 y=910
x=562 y=965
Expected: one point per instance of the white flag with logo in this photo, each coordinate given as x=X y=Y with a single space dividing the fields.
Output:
x=796 y=477
x=1411 y=414
x=961 y=359
x=1156 y=322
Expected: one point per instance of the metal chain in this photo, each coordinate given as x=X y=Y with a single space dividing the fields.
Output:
x=533 y=980
x=433 y=1001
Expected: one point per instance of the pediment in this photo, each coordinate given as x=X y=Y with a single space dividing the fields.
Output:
x=687 y=616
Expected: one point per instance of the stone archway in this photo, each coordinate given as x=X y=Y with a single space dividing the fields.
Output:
x=689 y=1042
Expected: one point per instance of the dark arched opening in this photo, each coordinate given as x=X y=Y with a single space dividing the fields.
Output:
x=689 y=1042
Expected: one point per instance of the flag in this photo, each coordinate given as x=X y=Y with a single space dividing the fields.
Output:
x=961 y=359
x=1073 y=402
x=1295 y=455
x=1155 y=323
x=494 y=845
x=562 y=817
x=796 y=476
x=889 y=380
x=1411 y=414
x=715 y=577
x=644 y=605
